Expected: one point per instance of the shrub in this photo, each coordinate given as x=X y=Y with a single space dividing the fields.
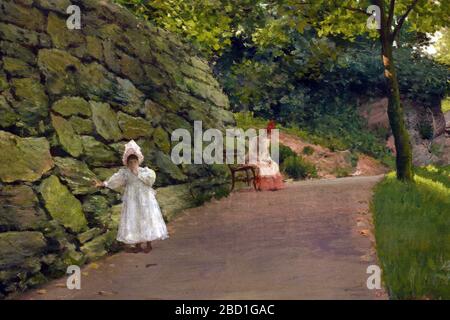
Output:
x=308 y=150
x=342 y=172
x=297 y=168
x=285 y=152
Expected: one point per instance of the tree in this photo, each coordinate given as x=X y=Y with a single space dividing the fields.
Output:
x=349 y=18
x=209 y=24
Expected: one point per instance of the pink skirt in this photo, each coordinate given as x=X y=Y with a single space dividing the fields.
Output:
x=274 y=182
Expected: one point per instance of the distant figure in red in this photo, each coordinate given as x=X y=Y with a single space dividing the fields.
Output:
x=268 y=176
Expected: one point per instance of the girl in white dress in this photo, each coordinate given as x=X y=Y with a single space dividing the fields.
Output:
x=141 y=220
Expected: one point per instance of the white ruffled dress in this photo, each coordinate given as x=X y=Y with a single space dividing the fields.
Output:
x=141 y=219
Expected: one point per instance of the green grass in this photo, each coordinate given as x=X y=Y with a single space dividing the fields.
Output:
x=412 y=230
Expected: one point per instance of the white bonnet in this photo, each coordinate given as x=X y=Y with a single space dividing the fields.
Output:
x=132 y=148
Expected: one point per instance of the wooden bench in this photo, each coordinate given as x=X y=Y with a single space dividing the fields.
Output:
x=250 y=174
x=235 y=169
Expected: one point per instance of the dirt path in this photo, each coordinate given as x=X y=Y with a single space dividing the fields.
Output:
x=308 y=241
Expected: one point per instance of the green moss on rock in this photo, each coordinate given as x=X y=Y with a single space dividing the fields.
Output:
x=98 y=154
x=105 y=121
x=167 y=167
x=7 y=115
x=33 y=101
x=174 y=199
x=19 y=208
x=61 y=71
x=105 y=173
x=76 y=174
x=69 y=106
x=17 y=247
x=23 y=159
x=134 y=127
x=161 y=139
x=61 y=36
x=69 y=140
x=99 y=246
x=62 y=205
x=82 y=126
x=16 y=67
x=3 y=81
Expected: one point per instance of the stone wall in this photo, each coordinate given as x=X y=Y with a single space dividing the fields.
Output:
x=69 y=100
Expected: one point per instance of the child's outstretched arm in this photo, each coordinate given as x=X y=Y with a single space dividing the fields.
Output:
x=147 y=176
x=116 y=181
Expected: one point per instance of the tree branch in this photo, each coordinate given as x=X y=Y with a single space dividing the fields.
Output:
x=391 y=13
x=359 y=10
x=402 y=19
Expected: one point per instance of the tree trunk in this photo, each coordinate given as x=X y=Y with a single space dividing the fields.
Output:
x=396 y=115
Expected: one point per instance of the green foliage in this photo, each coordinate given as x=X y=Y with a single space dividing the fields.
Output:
x=446 y=105
x=412 y=229
x=208 y=25
x=247 y=120
x=342 y=172
x=308 y=150
x=285 y=152
x=297 y=168
x=443 y=47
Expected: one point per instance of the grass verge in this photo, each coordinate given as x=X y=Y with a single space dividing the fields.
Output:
x=412 y=230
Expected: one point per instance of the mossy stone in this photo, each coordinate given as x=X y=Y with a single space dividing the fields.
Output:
x=166 y=166
x=82 y=126
x=161 y=139
x=33 y=101
x=105 y=173
x=99 y=246
x=174 y=199
x=16 y=67
x=62 y=205
x=61 y=71
x=69 y=140
x=69 y=106
x=62 y=37
x=23 y=159
x=134 y=127
x=19 y=208
x=76 y=174
x=98 y=154
x=7 y=115
x=17 y=247
x=3 y=81
x=105 y=121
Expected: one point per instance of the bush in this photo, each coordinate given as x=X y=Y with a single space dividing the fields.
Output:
x=342 y=172
x=285 y=152
x=308 y=150
x=297 y=168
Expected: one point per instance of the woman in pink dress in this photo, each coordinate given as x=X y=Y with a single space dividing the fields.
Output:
x=268 y=176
